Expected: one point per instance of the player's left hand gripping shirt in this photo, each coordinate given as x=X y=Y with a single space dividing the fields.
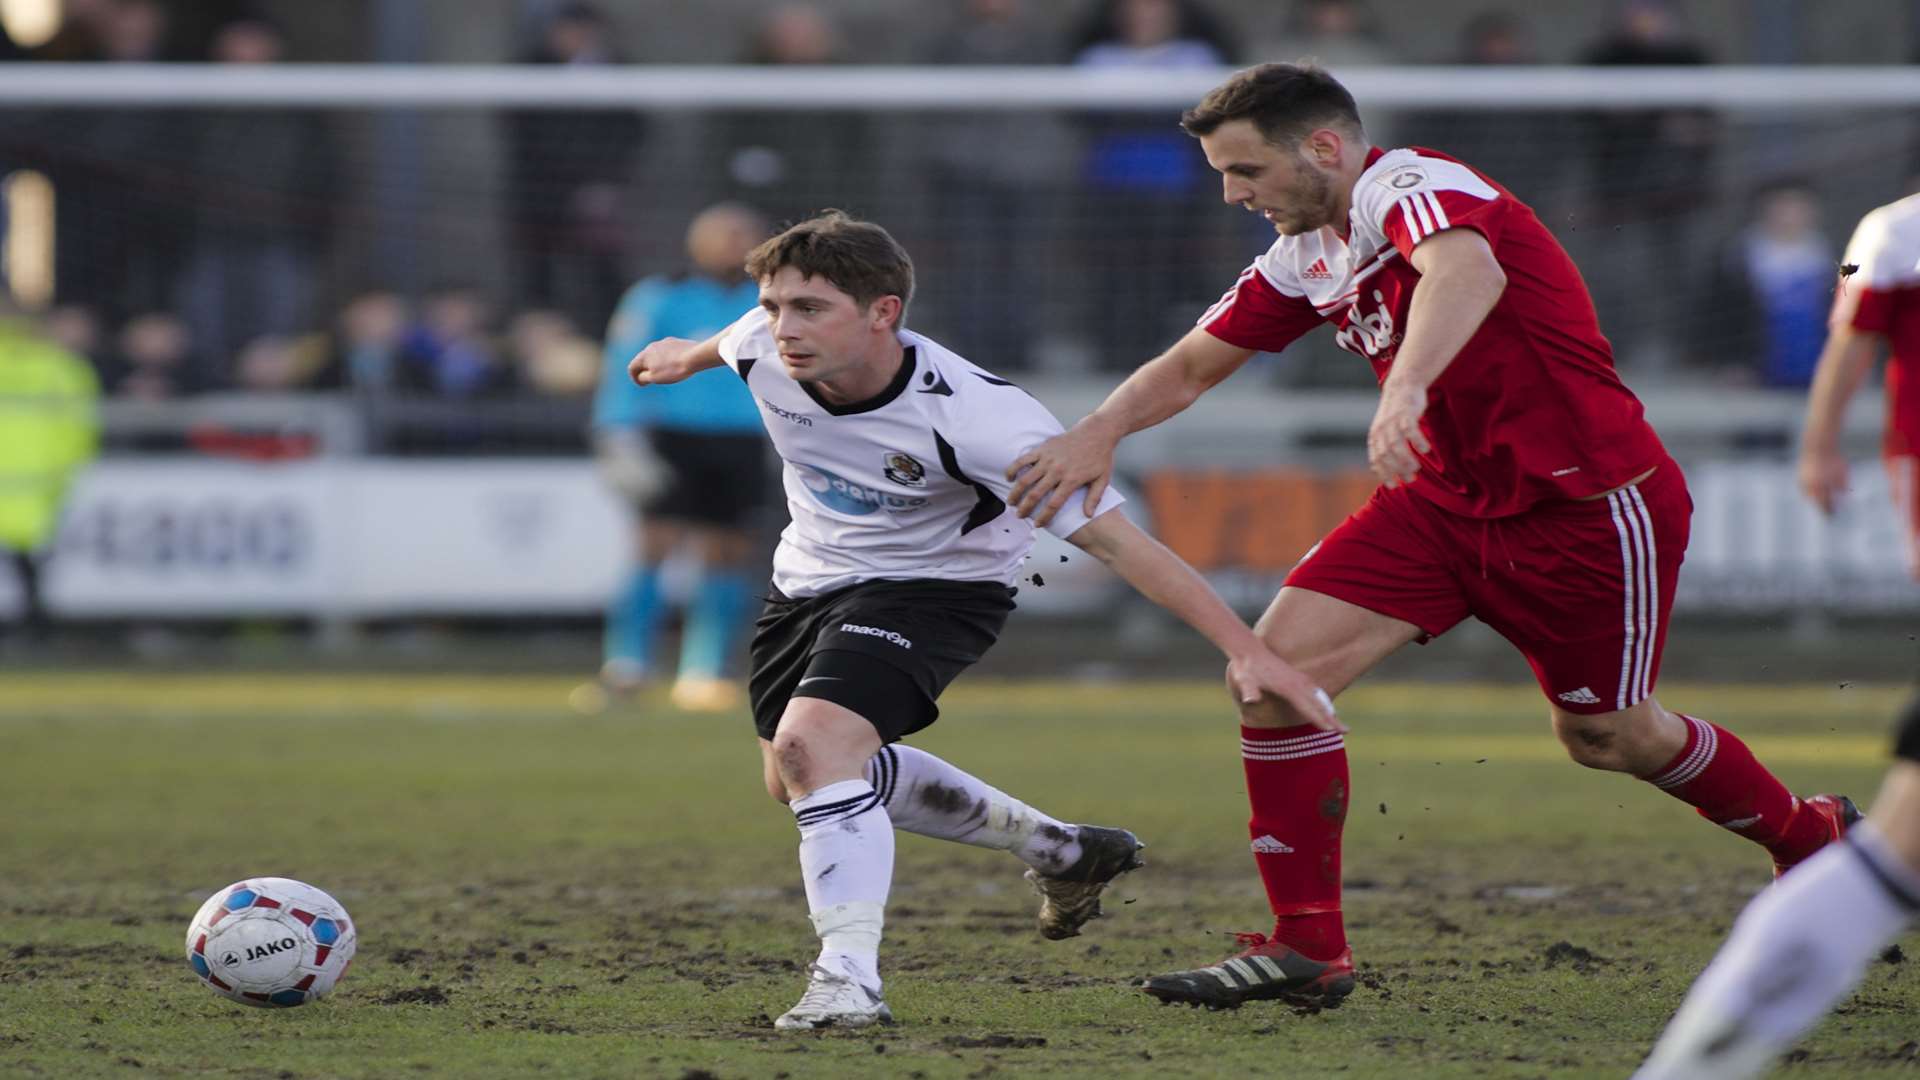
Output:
x=1531 y=407
x=910 y=484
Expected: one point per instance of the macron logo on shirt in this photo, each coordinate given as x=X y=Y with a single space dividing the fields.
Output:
x=1318 y=271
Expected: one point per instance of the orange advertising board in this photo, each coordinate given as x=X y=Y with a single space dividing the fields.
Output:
x=1250 y=519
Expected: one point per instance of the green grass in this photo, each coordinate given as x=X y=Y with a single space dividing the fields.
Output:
x=542 y=894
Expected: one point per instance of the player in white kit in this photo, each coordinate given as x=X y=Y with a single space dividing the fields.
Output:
x=894 y=576
x=1804 y=943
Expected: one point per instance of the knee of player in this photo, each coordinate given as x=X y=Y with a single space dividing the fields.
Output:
x=1589 y=744
x=793 y=754
x=804 y=750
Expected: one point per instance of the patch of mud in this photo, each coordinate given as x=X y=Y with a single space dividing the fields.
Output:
x=1580 y=959
x=994 y=1042
x=415 y=995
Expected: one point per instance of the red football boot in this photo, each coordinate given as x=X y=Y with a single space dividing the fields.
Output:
x=1837 y=811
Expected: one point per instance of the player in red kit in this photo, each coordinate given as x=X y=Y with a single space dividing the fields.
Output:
x=1875 y=305
x=1521 y=485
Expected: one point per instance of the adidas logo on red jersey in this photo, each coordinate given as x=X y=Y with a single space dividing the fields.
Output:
x=1318 y=271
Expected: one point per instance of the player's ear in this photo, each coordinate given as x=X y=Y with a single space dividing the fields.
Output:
x=886 y=312
x=1323 y=146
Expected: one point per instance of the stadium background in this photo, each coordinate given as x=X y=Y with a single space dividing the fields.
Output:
x=235 y=273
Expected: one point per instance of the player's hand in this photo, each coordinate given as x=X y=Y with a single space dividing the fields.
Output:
x=663 y=362
x=1046 y=476
x=1396 y=434
x=629 y=464
x=1255 y=676
x=1823 y=477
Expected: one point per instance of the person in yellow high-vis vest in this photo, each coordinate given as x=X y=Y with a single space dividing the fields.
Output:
x=49 y=430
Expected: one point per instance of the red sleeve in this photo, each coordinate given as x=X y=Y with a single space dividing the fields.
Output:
x=1255 y=315
x=1424 y=211
x=1859 y=308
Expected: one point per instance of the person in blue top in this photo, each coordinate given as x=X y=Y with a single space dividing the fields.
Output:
x=691 y=459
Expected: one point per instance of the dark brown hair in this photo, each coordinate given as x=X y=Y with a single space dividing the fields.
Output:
x=860 y=258
x=1286 y=102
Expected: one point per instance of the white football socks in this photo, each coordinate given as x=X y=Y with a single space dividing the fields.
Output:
x=928 y=796
x=846 y=861
x=1800 y=947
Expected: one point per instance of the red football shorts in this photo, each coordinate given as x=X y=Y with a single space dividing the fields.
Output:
x=1582 y=589
x=1903 y=479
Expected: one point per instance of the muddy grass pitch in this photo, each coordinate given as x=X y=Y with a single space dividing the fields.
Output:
x=544 y=895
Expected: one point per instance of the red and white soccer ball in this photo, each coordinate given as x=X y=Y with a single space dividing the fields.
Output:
x=270 y=942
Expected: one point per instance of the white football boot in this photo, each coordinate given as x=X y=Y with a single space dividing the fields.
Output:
x=834 y=1000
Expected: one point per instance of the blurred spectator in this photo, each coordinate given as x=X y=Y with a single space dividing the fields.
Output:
x=795 y=163
x=1650 y=163
x=121 y=180
x=1773 y=284
x=551 y=357
x=265 y=189
x=449 y=353
x=82 y=30
x=691 y=459
x=1146 y=181
x=1151 y=34
x=1334 y=34
x=371 y=334
x=1651 y=169
x=996 y=182
x=77 y=330
x=1519 y=148
x=281 y=365
x=568 y=171
x=49 y=430
x=154 y=359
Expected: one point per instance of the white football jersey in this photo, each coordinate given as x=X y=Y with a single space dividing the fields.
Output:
x=909 y=484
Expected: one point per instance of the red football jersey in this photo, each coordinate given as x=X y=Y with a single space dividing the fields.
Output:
x=1882 y=296
x=1531 y=408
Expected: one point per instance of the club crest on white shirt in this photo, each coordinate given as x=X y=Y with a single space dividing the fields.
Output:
x=902 y=469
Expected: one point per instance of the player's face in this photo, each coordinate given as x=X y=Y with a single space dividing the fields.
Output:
x=822 y=333
x=1285 y=186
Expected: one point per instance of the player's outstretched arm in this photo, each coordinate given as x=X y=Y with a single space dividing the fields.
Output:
x=1048 y=475
x=1843 y=366
x=1164 y=578
x=670 y=360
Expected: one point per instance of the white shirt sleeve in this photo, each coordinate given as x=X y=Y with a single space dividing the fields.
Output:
x=1000 y=424
x=749 y=336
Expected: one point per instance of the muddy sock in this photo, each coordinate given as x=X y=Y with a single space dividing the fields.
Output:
x=928 y=796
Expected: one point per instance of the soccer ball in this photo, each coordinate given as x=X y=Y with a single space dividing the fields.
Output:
x=270 y=942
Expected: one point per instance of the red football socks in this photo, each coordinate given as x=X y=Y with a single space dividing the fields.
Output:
x=1717 y=774
x=1297 y=783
